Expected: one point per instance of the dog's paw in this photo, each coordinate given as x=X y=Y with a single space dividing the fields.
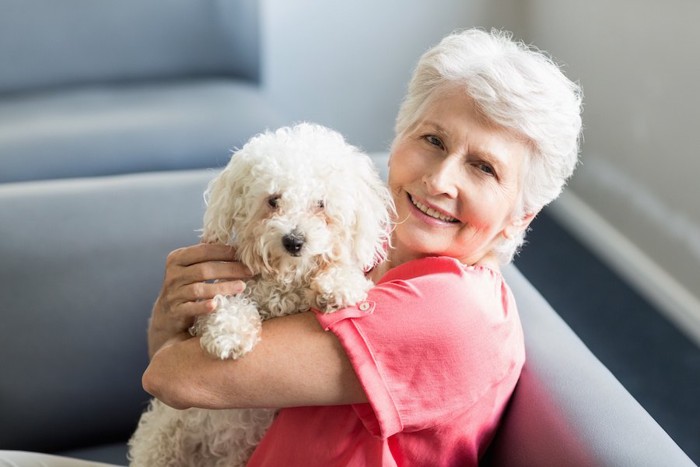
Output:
x=333 y=292
x=232 y=330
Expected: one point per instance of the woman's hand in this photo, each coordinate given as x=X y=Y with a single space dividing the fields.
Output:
x=194 y=275
x=296 y=362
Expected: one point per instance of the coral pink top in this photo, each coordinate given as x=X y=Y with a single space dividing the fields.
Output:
x=438 y=348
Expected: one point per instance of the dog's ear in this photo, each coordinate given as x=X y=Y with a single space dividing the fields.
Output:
x=226 y=201
x=373 y=214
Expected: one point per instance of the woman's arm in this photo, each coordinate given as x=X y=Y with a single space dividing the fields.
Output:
x=296 y=363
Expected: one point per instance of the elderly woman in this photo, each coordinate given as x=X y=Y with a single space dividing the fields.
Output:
x=421 y=373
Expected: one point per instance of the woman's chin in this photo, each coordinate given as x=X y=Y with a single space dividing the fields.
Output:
x=412 y=242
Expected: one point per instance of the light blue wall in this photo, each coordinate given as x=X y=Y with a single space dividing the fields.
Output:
x=346 y=63
x=639 y=63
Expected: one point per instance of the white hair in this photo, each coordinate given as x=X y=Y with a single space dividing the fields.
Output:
x=514 y=86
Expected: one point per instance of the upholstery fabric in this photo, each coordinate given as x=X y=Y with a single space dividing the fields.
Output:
x=129 y=128
x=50 y=44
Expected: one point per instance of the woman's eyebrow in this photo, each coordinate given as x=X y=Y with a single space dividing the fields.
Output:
x=492 y=158
x=434 y=126
x=487 y=155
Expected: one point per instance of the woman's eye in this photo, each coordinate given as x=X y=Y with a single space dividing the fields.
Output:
x=273 y=201
x=434 y=141
x=487 y=169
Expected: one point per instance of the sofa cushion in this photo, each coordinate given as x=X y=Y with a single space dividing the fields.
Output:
x=129 y=128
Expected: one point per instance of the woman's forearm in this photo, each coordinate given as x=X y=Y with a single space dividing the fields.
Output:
x=156 y=339
x=296 y=363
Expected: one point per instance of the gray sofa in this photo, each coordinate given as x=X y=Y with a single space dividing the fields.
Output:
x=104 y=156
x=82 y=260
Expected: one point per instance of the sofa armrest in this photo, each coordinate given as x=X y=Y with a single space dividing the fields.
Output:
x=568 y=409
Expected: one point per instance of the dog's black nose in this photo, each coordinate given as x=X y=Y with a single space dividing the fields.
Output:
x=293 y=242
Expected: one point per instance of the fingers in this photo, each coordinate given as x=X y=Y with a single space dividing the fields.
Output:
x=195 y=274
x=186 y=312
x=204 y=291
x=205 y=262
x=201 y=253
x=215 y=271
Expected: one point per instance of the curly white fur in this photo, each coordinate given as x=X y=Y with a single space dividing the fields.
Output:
x=308 y=214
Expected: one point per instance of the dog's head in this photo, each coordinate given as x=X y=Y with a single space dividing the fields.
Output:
x=299 y=199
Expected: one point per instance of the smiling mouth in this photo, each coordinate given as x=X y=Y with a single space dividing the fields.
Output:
x=431 y=212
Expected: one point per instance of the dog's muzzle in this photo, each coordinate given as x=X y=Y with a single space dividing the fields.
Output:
x=293 y=243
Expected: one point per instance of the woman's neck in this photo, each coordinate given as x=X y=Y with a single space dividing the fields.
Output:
x=394 y=258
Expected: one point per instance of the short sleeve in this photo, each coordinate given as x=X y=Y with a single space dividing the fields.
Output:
x=431 y=339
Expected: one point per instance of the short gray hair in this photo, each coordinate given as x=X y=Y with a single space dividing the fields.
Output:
x=514 y=86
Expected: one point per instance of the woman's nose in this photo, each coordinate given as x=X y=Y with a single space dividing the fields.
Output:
x=441 y=178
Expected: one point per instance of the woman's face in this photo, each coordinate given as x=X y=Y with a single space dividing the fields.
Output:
x=456 y=182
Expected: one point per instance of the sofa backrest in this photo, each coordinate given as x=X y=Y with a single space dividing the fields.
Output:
x=46 y=43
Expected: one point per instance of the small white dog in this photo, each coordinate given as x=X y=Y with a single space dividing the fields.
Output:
x=308 y=214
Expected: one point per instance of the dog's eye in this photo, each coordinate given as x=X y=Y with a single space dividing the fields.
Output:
x=273 y=201
x=321 y=204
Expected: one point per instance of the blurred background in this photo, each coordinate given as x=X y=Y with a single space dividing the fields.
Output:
x=618 y=255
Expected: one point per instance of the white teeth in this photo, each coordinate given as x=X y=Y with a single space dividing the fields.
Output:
x=431 y=212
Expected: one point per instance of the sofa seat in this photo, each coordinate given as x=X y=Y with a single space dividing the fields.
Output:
x=129 y=128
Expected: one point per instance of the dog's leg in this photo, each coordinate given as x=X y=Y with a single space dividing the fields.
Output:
x=232 y=330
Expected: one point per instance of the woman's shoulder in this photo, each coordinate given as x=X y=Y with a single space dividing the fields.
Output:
x=460 y=292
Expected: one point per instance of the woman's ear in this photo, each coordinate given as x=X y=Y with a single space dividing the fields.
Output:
x=518 y=225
